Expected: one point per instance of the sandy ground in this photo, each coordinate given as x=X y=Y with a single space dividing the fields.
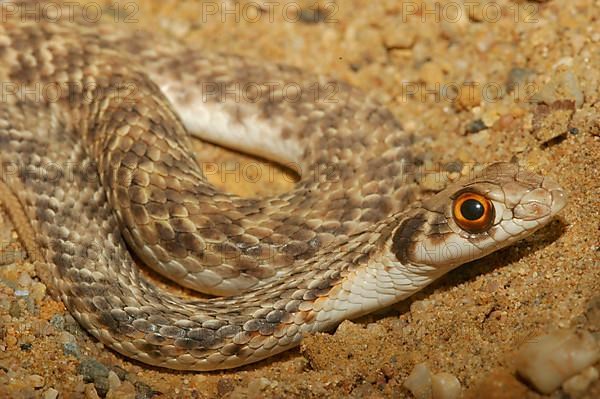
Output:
x=527 y=75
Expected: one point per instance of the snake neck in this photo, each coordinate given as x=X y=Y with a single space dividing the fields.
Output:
x=373 y=272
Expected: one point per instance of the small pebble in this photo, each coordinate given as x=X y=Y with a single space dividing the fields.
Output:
x=11 y=340
x=225 y=386
x=113 y=380
x=549 y=360
x=26 y=347
x=125 y=390
x=419 y=381
x=79 y=387
x=71 y=349
x=90 y=392
x=144 y=391
x=475 y=126
x=445 y=386
x=58 y=322
x=490 y=117
x=95 y=372
x=504 y=122
x=66 y=337
x=69 y=344
x=51 y=394
x=38 y=292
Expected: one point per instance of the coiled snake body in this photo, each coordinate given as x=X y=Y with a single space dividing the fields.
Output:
x=94 y=133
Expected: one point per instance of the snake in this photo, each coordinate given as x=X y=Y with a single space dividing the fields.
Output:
x=99 y=179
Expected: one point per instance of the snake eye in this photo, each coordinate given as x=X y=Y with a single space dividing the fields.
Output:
x=473 y=212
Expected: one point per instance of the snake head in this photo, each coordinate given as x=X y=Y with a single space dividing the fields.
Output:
x=472 y=218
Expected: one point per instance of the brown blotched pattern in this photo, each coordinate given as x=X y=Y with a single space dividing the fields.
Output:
x=94 y=136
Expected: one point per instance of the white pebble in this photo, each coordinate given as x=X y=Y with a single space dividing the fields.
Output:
x=549 y=360
x=577 y=385
x=113 y=380
x=445 y=386
x=419 y=381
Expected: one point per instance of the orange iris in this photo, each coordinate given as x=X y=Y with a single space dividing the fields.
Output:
x=473 y=212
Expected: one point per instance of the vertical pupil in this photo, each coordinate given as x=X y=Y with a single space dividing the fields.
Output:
x=472 y=209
